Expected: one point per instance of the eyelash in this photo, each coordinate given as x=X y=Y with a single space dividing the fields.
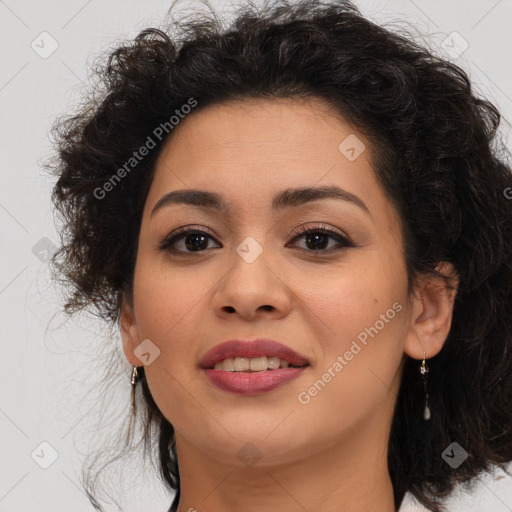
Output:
x=298 y=232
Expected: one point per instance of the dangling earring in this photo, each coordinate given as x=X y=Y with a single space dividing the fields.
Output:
x=135 y=378
x=424 y=371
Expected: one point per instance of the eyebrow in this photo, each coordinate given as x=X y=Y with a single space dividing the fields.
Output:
x=288 y=198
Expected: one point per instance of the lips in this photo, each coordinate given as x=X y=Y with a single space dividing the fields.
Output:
x=251 y=348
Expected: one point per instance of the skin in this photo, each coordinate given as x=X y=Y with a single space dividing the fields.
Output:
x=331 y=453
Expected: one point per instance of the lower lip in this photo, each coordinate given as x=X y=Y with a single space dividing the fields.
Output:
x=254 y=383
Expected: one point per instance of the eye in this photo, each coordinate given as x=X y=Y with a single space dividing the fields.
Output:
x=195 y=240
x=317 y=238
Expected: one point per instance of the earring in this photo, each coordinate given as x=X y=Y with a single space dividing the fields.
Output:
x=135 y=378
x=424 y=371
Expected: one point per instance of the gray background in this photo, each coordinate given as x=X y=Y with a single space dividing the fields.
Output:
x=50 y=365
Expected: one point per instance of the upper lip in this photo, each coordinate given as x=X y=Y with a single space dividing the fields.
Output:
x=251 y=348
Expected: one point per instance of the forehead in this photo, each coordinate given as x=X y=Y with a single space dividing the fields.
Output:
x=258 y=146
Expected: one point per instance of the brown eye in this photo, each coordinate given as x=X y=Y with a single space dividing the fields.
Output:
x=317 y=239
x=195 y=240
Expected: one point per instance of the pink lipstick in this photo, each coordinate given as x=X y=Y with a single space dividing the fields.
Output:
x=249 y=382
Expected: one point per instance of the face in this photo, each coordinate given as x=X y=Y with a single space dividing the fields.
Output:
x=337 y=295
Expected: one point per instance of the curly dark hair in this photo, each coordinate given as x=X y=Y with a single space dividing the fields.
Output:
x=435 y=143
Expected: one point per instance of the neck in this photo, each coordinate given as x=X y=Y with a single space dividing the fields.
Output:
x=349 y=476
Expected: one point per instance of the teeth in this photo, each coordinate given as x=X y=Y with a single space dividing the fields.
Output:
x=257 y=364
x=254 y=364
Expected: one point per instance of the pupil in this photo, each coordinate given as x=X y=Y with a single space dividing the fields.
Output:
x=192 y=245
x=316 y=236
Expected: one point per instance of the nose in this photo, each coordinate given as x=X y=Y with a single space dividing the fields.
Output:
x=251 y=289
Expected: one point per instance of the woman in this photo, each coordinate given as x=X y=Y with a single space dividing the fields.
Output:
x=302 y=228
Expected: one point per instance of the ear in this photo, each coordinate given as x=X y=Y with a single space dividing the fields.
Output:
x=129 y=332
x=433 y=299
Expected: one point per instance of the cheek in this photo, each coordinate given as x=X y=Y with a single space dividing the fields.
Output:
x=169 y=309
x=359 y=315
x=352 y=297
x=169 y=305
x=166 y=295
